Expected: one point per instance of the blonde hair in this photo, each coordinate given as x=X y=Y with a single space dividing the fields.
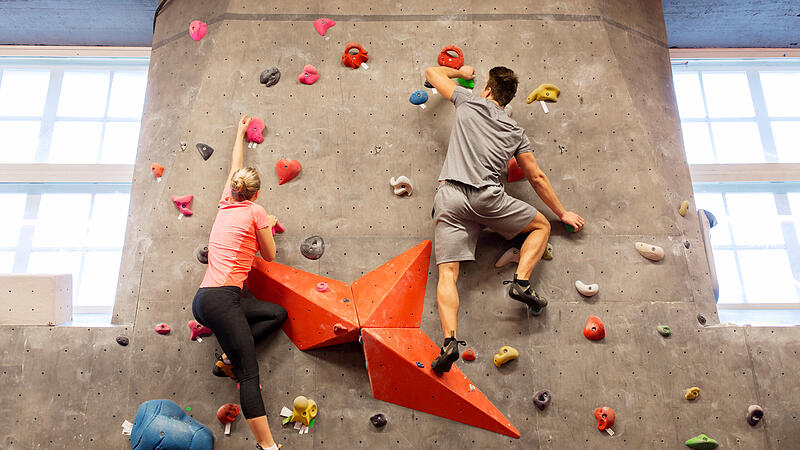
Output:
x=245 y=183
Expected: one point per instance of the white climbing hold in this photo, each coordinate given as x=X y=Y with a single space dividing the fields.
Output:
x=587 y=290
x=511 y=255
x=650 y=251
x=402 y=185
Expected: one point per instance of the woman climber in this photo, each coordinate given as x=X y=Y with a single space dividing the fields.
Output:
x=240 y=230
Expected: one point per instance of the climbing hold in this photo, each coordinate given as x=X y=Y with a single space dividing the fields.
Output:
x=504 y=355
x=182 y=203
x=278 y=228
x=270 y=77
x=354 y=60
x=686 y=244
x=287 y=169
x=544 y=93
x=157 y=170
x=309 y=75
x=420 y=365
x=322 y=25
x=702 y=442
x=692 y=393
x=650 y=251
x=754 y=415
x=428 y=84
x=570 y=228
x=323 y=287
x=541 y=399
x=468 y=355
x=594 y=329
x=198 y=331
x=339 y=328
x=418 y=97
x=664 y=330
x=183 y=145
x=701 y=319
x=605 y=418
x=511 y=255
x=535 y=311
x=162 y=328
x=255 y=131
x=201 y=253
x=378 y=420
x=515 y=173
x=226 y=414
x=587 y=290
x=197 y=29
x=304 y=410
x=205 y=150
x=469 y=84
x=548 y=252
x=448 y=60
x=123 y=340
x=163 y=424
x=402 y=185
x=312 y=247
x=684 y=208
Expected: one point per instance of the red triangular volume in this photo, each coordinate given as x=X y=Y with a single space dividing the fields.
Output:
x=392 y=355
x=316 y=319
x=393 y=294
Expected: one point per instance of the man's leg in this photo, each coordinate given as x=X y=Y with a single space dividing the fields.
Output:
x=447 y=298
x=534 y=246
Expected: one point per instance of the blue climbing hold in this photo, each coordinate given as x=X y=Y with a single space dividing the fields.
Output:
x=163 y=424
x=418 y=97
x=420 y=365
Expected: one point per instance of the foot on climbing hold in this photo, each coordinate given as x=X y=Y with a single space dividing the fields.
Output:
x=692 y=393
x=182 y=203
x=205 y=150
x=197 y=330
x=162 y=328
x=510 y=255
x=223 y=368
x=525 y=294
x=402 y=185
x=447 y=59
x=287 y=169
x=157 y=170
x=468 y=355
x=354 y=60
x=587 y=290
x=605 y=418
x=664 y=330
x=702 y=442
x=322 y=25
x=197 y=29
x=201 y=253
x=514 y=171
x=542 y=399
x=469 y=84
x=544 y=93
x=504 y=355
x=313 y=247
x=309 y=75
x=594 y=329
x=123 y=340
x=447 y=356
x=418 y=97
x=754 y=415
x=378 y=420
x=650 y=251
x=548 y=252
x=270 y=77
x=255 y=131
x=684 y=208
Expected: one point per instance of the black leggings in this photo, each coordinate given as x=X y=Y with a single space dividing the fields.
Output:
x=238 y=323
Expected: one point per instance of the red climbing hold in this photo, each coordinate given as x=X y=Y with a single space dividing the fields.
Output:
x=514 y=171
x=594 y=328
x=198 y=330
x=322 y=25
x=157 y=169
x=605 y=418
x=309 y=75
x=447 y=60
x=197 y=30
x=468 y=355
x=255 y=131
x=182 y=203
x=227 y=413
x=354 y=61
x=287 y=169
x=162 y=328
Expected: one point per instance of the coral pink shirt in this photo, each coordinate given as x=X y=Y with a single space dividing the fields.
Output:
x=232 y=244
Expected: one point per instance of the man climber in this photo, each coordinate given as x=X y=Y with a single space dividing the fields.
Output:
x=470 y=196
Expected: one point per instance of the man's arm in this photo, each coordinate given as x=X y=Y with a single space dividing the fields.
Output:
x=237 y=157
x=541 y=184
x=441 y=78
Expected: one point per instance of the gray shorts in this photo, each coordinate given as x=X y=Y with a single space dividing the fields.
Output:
x=460 y=211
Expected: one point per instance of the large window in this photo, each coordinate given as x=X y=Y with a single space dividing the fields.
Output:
x=70 y=128
x=741 y=131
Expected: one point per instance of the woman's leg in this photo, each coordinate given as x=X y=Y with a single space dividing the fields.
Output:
x=264 y=317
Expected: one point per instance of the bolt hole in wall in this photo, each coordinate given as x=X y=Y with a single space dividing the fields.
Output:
x=70 y=127
x=741 y=128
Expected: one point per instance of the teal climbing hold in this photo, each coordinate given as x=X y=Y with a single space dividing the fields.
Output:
x=664 y=330
x=469 y=84
x=702 y=442
x=535 y=311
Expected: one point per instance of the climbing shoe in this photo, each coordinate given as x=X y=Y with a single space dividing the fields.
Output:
x=449 y=354
x=223 y=368
x=525 y=294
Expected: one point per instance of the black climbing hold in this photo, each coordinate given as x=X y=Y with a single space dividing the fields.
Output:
x=378 y=420
x=270 y=77
x=313 y=247
x=542 y=399
x=205 y=150
x=201 y=252
x=122 y=340
x=428 y=84
x=702 y=319
x=686 y=244
x=754 y=415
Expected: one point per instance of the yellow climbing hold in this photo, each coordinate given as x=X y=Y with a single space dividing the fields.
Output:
x=548 y=252
x=305 y=410
x=544 y=93
x=692 y=393
x=684 y=208
x=505 y=355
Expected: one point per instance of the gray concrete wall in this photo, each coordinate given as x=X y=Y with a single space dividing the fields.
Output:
x=623 y=170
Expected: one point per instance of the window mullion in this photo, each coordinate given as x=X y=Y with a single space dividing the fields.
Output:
x=49 y=116
x=25 y=242
x=789 y=236
x=762 y=117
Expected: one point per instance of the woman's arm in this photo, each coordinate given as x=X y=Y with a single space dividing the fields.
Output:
x=237 y=157
x=265 y=240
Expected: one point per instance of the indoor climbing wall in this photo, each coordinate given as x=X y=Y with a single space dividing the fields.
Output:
x=611 y=146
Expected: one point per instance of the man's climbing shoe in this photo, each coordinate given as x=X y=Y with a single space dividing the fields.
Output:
x=449 y=354
x=525 y=294
x=223 y=368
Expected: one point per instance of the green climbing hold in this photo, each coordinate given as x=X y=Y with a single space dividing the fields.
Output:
x=188 y=408
x=664 y=330
x=548 y=252
x=469 y=84
x=702 y=442
x=570 y=228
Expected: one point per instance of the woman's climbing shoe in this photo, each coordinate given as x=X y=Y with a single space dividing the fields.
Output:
x=449 y=354
x=525 y=294
x=223 y=368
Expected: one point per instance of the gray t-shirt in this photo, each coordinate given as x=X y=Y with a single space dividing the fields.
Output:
x=483 y=139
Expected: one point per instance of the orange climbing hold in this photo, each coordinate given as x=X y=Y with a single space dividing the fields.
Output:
x=448 y=60
x=354 y=61
x=157 y=169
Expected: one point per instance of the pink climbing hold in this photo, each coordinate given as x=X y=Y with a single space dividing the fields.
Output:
x=182 y=203
x=322 y=25
x=255 y=131
x=198 y=330
x=197 y=30
x=162 y=328
x=278 y=228
x=309 y=75
x=323 y=287
x=287 y=169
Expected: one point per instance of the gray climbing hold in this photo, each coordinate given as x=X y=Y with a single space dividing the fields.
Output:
x=313 y=247
x=205 y=150
x=378 y=420
x=270 y=77
x=201 y=253
x=542 y=399
x=122 y=340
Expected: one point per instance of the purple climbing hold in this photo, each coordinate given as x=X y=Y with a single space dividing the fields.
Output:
x=542 y=399
x=378 y=420
x=754 y=415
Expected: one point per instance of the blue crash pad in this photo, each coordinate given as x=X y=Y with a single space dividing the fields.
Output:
x=162 y=425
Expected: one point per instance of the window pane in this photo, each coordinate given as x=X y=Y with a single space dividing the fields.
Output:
x=127 y=94
x=697 y=142
x=754 y=218
x=109 y=217
x=727 y=94
x=688 y=94
x=781 y=93
x=6 y=262
x=787 y=140
x=767 y=276
x=13 y=211
x=737 y=142
x=23 y=92
x=730 y=289
x=57 y=262
x=62 y=220
x=75 y=142
x=83 y=94
x=99 y=280
x=120 y=143
x=794 y=205
x=720 y=234
x=20 y=139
